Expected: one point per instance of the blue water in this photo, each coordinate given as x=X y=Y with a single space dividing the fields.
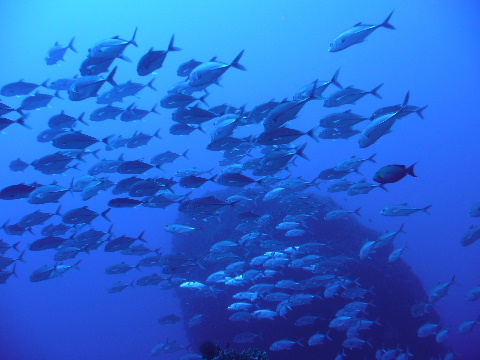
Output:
x=434 y=53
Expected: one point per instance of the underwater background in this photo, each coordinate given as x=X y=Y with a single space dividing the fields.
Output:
x=433 y=53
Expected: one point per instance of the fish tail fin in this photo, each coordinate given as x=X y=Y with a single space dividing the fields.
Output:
x=170 y=45
x=202 y=99
x=13 y=270
x=154 y=110
x=21 y=121
x=70 y=45
x=105 y=140
x=57 y=212
x=233 y=203
x=80 y=118
x=410 y=169
x=200 y=265
x=357 y=211
x=184 y=154
x=371 y=158
x=110 y=76
x=420 y=111
x=453 y=280
x=105 y=213
x=382 y=186
x=15 y=246
x=311 y=133
x=45 y=84
x=386 y=23
x=401 y=229
x=334 y=80
x=375 y=93
x=405 y=100
x=199 y=127
x=425 y=209
x=312 y=95
x=57 y=95
x=133 y=42
x=76 y=264
x=150 y=84
x=20 y=257
x=157 y=134
x=235 y=63
x=140 y=237
x=95 y=152
x=132 y=283
x=299 y=151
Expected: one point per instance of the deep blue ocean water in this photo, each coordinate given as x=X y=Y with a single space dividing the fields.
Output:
x=434 y=53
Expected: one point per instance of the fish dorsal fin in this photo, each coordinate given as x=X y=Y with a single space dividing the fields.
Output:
x=212 y=59
x=348 y=111
x=116 y=37
x=358 y=24
x=406 y=204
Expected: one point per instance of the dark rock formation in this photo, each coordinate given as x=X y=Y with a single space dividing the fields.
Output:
x=393 y=287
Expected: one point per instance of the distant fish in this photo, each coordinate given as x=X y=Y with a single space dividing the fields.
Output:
x=112 y=48
x=357 y=34
x=349 y=95
x=169 y=319
x=88 y=86
x=209 y=72
x=475 y=210
x=19 y=88
x=284 y=345
x=37 y=101
x=393 y=173
x=186 y=68
x=153 y=60
x=57 y=52
x=403 y=210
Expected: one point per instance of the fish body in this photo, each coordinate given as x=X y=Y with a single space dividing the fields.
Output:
x=37 y=101
x=18 y=88
x=349 y=95
x=403 y=210
x=341 y=120
x=105 y=113
x=284 y=345
x=120 y=268
x=119 y=286
x=393 y=173
x=57 y=52
x=153 y=60
x=357 y=34
x=111 y=48
x=340 y=214
x=82 y=215
x=88 y=86
x=440 y=290
x=470 y=236
x=209 y=72
x=427 y=329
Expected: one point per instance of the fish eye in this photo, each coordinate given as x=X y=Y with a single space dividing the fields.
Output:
x=331 y=45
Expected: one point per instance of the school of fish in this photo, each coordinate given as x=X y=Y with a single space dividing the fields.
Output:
x=258 y=168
